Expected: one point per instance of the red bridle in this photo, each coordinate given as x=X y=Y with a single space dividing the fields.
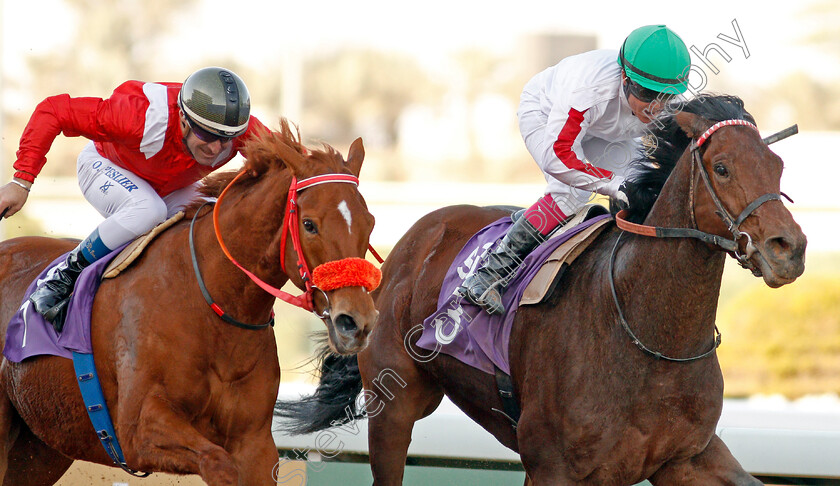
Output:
x=340 y=273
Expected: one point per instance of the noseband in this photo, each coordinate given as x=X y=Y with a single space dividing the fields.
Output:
x=347 y=272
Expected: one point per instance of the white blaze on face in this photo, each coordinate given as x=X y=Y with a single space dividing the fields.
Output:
x=345 y=211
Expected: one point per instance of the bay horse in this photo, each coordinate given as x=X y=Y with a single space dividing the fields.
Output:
x=598 y=407
x=188 y=392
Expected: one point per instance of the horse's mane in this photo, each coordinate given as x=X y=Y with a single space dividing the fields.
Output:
x=260 y=152
x=665 y=144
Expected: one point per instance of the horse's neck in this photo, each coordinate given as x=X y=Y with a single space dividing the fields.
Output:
x=247 y=231
x=670 y=287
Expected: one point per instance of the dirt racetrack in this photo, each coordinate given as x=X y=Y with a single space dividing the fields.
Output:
x=87 y=474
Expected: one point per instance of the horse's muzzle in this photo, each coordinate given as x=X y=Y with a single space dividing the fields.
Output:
x=351 y=318
x=781 y=258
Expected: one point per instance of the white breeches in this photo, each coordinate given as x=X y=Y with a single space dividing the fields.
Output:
x=129 y=204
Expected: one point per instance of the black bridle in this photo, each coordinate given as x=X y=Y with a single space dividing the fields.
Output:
x=732 y=223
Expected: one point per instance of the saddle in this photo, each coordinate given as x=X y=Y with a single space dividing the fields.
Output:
x=134 y=249
x=546 y=279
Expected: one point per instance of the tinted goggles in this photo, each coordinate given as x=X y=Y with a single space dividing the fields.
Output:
x=643 y=94
x=205 y=136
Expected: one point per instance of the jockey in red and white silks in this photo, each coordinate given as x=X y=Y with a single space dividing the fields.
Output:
x=579 y=128
x=150 y=144
x=581 y=120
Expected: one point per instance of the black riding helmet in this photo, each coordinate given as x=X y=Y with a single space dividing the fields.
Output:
x=217 y=100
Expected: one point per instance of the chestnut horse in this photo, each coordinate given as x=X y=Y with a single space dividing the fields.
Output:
x=596 y=365
x=188 y=392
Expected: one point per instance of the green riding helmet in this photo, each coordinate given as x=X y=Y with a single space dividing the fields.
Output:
x=655 y=58
x=217 y=100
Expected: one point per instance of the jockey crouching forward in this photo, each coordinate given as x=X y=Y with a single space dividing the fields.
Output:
x=150 y=144
x=581 y=120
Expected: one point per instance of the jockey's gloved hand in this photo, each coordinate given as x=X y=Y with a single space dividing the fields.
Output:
x=622 y=195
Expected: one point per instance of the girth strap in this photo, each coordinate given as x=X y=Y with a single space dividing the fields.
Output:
x=98 y=411
x=509 y=403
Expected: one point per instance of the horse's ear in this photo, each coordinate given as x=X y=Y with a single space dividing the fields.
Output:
x=291 y=157
x=355 y=157
x=693 y=125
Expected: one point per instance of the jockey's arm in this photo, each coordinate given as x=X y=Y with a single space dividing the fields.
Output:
x=92 y=118
x=563 y=157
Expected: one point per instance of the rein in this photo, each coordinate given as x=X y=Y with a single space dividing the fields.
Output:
x=733 y=224
x=218 y=310
x=626 y=326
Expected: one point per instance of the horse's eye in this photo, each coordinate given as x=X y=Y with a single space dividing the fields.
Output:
x=721 y=170
x=310 y=227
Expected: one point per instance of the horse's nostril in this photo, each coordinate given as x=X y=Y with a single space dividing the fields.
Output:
x=778 y=247
x=345 y=324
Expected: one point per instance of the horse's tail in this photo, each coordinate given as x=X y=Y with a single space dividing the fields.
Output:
x=334 y=401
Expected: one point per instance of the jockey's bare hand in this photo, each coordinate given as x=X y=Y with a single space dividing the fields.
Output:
x=13 y=196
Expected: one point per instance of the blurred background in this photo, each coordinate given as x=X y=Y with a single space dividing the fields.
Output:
x=432 y=87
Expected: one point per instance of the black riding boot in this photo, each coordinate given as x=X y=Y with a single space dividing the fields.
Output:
x=484 y=287
x=50 y=299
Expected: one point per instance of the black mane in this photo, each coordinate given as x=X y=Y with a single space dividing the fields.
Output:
x=666 y=143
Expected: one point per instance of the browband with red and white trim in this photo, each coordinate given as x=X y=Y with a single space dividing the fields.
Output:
x=712 y=129
x=325 y=178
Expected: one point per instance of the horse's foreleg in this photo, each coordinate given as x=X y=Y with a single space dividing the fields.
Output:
x=30 y=462
x=25 y=460
x=714 y=466
x=164 y=441
x=8 y=431
x=258 y=460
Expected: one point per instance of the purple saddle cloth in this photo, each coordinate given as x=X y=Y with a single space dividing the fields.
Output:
x=29 y=334
x=465 y=331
